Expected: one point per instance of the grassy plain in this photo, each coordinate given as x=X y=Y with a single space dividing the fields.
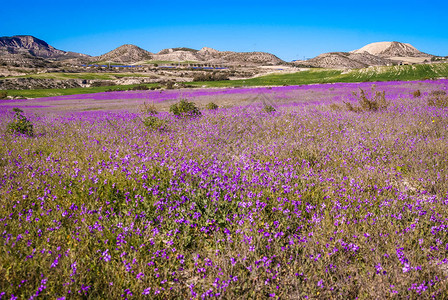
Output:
x=312 y=76
x=87 y=76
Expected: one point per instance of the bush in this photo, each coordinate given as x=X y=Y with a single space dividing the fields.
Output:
x=103 y=83
x=115 y=90
x=20 y=124
x=210 y=77
x=169 y=85
x=183 y=108
x=154 y=123
x=3 y=94
x=376 y=102
x=148 y=109
x=211 y=106
x=417 y=94
x=139 y=88
x=268 y=108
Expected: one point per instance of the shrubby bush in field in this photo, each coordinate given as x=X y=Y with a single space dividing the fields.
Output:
x=416 y=93
x=20 y=124
x=377 y=101
x=211 y=106
x=214 y=76
x=154 y=123
x=268 y=108
x=3 y=94
x=184 y=108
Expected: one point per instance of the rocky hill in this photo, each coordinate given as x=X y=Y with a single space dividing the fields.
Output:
x=210 y=55
x=176 y=54
x=375 y=54
x=29 y=46
x=24 y=60
x=125 y=54
x=391 y=49
x=346 y=60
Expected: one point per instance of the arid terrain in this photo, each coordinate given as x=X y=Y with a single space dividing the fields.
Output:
x=28 y=63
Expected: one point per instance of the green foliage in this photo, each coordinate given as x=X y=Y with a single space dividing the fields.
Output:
x=184 y=108
x=102 y=83
x=383 y=73
x=20 y=124
x=211 y=106
x=3 y=94
x=268 y=108
x=154 y=123
x=376 y=102
x=38 y=93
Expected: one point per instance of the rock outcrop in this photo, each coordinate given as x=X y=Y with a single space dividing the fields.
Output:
x=125 y=54
x=34 y=47
x=345 y=60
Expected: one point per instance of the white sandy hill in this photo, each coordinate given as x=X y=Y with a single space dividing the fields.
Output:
x=391 y=49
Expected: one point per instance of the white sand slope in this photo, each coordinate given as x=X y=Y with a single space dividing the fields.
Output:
x=391 y=49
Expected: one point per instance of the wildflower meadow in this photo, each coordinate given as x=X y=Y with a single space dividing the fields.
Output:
x=331 y=193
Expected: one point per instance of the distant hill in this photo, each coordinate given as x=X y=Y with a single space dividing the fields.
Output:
x=125 y=54
x=26 y=46
x=391 y=49
x=345 y=60
x=375 y=54
x=210 y=55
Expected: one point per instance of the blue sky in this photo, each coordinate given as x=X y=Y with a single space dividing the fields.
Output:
x=290 y=30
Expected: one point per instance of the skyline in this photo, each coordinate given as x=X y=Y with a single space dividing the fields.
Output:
x=290 y=31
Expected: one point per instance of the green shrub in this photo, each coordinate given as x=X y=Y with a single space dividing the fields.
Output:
x=268 y=108
x=183 y=108
x=3 y=94
x=154 y=123
x=211 y=106
x=20 y=124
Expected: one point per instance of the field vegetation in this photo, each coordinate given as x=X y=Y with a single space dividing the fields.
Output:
x=312 y=76
x=39 y=93
x=307 y=200
x=87 y=76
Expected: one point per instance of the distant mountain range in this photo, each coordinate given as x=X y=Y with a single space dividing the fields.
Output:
x=134 y=54
x=375 y=54
x=25 y=50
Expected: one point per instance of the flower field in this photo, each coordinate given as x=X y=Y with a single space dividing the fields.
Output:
x=311 y=200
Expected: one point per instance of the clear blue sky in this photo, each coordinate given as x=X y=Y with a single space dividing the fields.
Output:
x=288 y=29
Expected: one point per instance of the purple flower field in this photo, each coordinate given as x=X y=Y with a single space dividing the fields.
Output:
x=309 y=201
